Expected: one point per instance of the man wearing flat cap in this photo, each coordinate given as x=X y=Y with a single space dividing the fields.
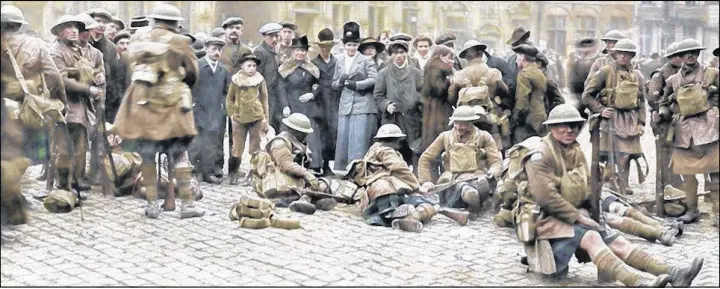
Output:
x=107 y=47
x=528 y=113
x=448 y=39
x=209 y=91
x=287 y=33
x=218 y=32
x=519 y=36
x=113 y=28
x=122 y=75
x=268 y=68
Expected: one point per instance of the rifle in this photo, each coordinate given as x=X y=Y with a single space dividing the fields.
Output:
x=316 y=194
x=627 y=202
x=595 y=185
x=616 y=170
x=660 y=174
x=443 y=187
x=169 y=202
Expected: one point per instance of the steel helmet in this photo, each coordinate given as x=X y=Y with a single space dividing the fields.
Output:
x=716 y=51
x=166 y=12
x=564 y=113
x=55 y=30
x=12 y=14
x=625 y=45
x=671 y=50
x=464 y=113
x=470 y=44
x=389 y=131
x=613 y=35
x=90 y=23
x=298 y=122
x=687 y=45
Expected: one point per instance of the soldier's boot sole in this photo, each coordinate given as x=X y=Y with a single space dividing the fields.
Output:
x=668 y=237
x=326 y=204
x=691 y=216
x=152 y=211
x=407 y=225
x=187 y=212
x=302 y=207
x=461 y=217
x=683 y=277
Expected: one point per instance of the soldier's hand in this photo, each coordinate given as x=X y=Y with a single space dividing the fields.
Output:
x=306 y=97
x=286 y=111
x=607 y=113
x=312 y=181
x=351 y=84
x=655 y=116
x=588 y=222
x=391 y=108
x=95 y=91
x=640 y=129
x=426 y=187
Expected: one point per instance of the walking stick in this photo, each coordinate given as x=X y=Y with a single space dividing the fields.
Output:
x=169 y=202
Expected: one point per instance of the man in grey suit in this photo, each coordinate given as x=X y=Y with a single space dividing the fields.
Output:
x=355 y=74
x=269 y=63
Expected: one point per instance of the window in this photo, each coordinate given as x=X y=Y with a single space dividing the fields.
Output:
x=341 y=14
x=691 y=3
x=619 y=23
x=410 y=20
x=377 y=19
x=557 y=33
x=586 y=27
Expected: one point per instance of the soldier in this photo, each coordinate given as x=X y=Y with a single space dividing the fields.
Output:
x=269 y=60
x=478 y=84
x=579 y=69
x=281 y=171
x=471 y=160
x=329 y=97
x=287 y=34
x=82 y=68
x=692 y=96
x=519 y=36
x=103 y=18
x=397 y=96
x=617 y=92
x=553 y=96
x=553 y=222
x=631 y=221
x=610 y=38
x=247 y=107
x=529 y=111
x=389 y=188
x=655 y=89
x=448 y=39
x=156 y=110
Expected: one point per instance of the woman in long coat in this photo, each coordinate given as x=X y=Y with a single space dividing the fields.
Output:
x=437 y=106
x=298 y=75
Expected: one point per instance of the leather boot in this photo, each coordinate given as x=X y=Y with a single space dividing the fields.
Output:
x=211 y=179
x=325 y=204
x=188 y=210
x=303 y=205
x=217 y=171
x=80 y=185
x=458 y=216
x=610 y=267
x=327 y=171
x=683 y=277
x=282 y=223
x=407 y=225
x=149 y=181
x=690 y=187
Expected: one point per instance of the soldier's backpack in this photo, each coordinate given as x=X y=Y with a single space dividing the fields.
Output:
x=692 y=98
x=621 y=91
x=513 y=181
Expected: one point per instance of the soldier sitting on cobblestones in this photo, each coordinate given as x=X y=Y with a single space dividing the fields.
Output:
x=281 y=171
x=470 y=159
x=553 y=223
x=389 y=195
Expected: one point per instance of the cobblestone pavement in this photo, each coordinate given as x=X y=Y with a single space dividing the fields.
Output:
x=116 y=245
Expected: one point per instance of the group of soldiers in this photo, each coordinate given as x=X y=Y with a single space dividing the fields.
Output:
x=445 y=122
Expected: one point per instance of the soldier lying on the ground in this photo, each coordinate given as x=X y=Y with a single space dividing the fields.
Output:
x=470 y=159
x=388 y=188
x=631 y=221
x=553 y=222
x=280 y=172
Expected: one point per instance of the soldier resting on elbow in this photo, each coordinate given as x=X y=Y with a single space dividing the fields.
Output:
x=553 y=221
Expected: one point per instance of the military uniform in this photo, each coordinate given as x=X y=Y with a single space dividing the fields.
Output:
x=156 y=110
x=479 y=84
x=529 y=111
x=692 y=95
x=631 y=221
x=623 y=90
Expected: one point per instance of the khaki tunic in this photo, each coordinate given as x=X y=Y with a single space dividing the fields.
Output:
x=491 y=160
x=696 y=147
x=247 y=98
x=530 y=98
x=80 y=104
x=36 y=63
x=146 y=114
x=388 y=165
x=288 y=153
x=656 y=84
x=625 y=122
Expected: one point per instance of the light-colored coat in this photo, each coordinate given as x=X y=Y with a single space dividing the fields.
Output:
x=357 y=101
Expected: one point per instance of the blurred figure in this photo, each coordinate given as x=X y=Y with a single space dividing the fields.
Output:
x=372 y=48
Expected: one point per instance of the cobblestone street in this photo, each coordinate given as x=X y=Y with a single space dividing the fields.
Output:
x=116 y=245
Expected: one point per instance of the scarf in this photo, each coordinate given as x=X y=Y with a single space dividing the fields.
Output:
x=241 y=79
x=290 y=65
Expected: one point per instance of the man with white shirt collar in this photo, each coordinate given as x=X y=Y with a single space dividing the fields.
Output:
x=422 y=53
x=209 y=109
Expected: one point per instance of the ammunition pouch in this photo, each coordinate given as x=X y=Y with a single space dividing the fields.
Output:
x=526 y=217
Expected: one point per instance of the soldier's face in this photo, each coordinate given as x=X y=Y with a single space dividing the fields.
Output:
x=122 y=45
x=271 y=39
x=676 y=60
x=623 y=58
x=249 y=67
x=691 y=57
x=369 y=51
x=299 y=54
x=463 y=127
x=351 y=48
x=69 y=31
x=286 y=35
x=610 y=44
x=111 y=30
x=565 y=133
x=423 y=47
x=234 y=32
x=213 y=51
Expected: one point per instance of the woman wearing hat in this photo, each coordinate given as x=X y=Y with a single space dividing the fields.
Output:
x=298 y=76
x=247 y=108
x=692 y=94
x=617 y=92
x=372 y=48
